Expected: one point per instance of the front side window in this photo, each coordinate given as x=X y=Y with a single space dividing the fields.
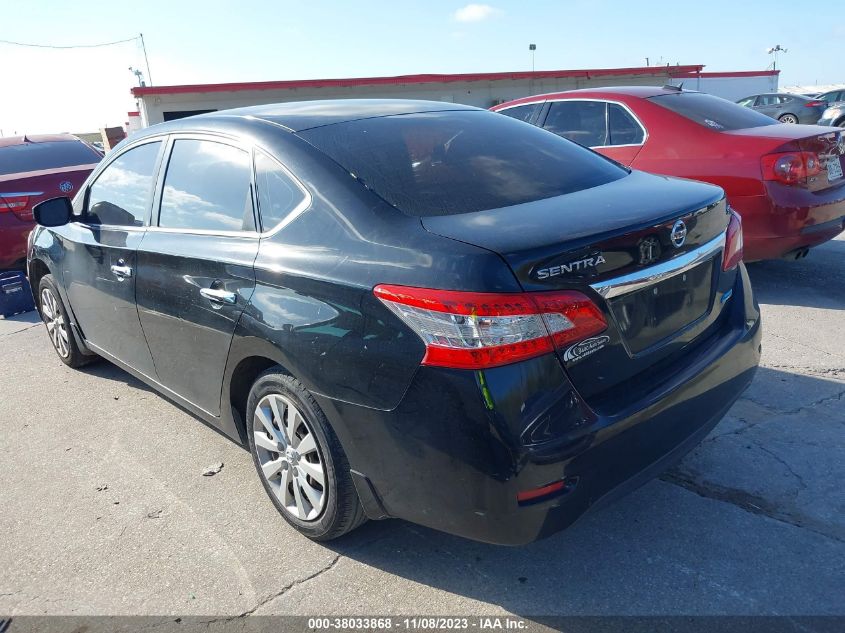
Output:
x=121 y=194
x=623 y=128
x=207 y=187
x=747 y=103
x=712 y=112
x=459 y=161
x=522 y=112
x=279 y=197
x=584 y=122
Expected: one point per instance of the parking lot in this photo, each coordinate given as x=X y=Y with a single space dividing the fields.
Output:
x=105 y=509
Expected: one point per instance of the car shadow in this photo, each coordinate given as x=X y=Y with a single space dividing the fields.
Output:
x=817 y=281
x=106 y=370
x=664 y=549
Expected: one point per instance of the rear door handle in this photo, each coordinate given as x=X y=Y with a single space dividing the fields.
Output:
x=121 y=271
x=216 y=295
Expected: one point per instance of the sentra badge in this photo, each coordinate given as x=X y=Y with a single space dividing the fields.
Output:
x=571 y=267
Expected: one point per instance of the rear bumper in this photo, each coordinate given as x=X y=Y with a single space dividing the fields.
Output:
x=460 y=446
x=13 y=235
x=788 y=218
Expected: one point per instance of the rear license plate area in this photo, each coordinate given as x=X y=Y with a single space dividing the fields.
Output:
x=647 y=316
x=834 y=168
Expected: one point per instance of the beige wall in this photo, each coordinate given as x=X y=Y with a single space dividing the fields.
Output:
x=477 y=93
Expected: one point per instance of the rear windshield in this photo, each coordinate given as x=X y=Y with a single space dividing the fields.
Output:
x=442 y=163
x=36 y=156
x=712 y=112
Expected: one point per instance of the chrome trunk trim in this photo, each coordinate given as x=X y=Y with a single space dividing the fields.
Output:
x=654 y=274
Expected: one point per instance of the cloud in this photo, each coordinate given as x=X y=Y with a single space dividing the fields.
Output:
x=475 y=13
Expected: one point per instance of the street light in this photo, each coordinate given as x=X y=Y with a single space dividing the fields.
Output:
x=773 y=51
x=532 y=48
x=139 y=75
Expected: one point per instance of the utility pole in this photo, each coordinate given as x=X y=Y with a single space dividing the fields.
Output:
x=146 y=61
x=532 y=48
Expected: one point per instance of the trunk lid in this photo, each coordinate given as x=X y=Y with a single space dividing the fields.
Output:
x=615 y=243
x=827 y=143
x=829 y=146
x=20 y=192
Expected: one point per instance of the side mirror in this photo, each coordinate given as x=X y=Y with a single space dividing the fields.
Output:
x=53 y=212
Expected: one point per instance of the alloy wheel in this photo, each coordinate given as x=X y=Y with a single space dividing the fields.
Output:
x=788 y=118
x=55 y=321
x=289 y=458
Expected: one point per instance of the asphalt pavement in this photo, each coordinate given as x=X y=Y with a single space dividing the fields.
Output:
x=105 y=509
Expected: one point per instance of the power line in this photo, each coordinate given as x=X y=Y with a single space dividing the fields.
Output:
x=130 y=39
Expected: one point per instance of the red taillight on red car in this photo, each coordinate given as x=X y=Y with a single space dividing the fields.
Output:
x=537 y=493
x=733 y=242
x=476 y=330
x=791 y=168
x=17 y=204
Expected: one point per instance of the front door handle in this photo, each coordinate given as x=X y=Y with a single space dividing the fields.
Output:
x=216 y=295
x=121 y=271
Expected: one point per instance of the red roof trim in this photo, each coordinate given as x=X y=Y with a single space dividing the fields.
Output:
x=658 y=71
x=742 y=73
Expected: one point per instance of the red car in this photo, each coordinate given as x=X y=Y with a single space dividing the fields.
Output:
x=32 y=169
x=786 y=181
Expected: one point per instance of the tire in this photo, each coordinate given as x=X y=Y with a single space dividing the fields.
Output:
x=788 y=118
x=321 y=510
x=55 y=317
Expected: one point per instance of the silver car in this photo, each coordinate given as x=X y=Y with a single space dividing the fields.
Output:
x=786 y=108
x=835 y=113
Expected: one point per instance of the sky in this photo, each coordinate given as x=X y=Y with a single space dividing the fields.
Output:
x=213 y=41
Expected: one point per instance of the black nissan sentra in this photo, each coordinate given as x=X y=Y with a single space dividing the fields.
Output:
x=407 y=309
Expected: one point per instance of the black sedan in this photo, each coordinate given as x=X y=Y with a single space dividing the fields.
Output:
x=407 y=309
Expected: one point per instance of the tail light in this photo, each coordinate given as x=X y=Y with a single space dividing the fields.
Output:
x=17 y=204
x=733 y=242
x=474 y=330
x=790 y=167
x=815 y=103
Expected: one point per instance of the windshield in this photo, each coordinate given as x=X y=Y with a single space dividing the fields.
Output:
x=25 y=157
x=712 y=112
x=441 y=163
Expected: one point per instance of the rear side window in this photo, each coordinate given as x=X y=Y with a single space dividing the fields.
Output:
x=522 y=112
x=623 y=129
x=280 y=198
x=121 y=194
x=441 y=163
x=16 y=159
x=584 y=122
x=712 y=112
x=207 y=187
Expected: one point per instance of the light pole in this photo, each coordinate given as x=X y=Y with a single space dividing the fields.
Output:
x=532 y=48
x=773 y=51
x=139 y=75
